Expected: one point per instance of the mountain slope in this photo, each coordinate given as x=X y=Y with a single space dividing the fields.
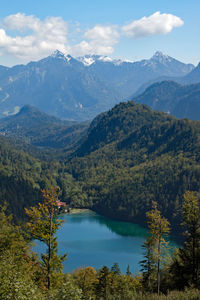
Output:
x=182 y=101
x=22 y=177
x=116 y=124
x=193 y=76
x=39 y=129
x=72 y=89
x=58 y=85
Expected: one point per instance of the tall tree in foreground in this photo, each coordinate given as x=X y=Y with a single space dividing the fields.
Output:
x=186 y=264
x=191 y=220
x=43 y=225
x=18 y=266
x=155 y=246
x=148 y=265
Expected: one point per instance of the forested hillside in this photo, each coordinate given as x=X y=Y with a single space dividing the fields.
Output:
x=132 y=156
x=23 y=176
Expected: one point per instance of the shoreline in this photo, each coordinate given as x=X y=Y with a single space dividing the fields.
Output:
x=74 y=211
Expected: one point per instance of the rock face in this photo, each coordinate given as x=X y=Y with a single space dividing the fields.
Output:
x=79 y=89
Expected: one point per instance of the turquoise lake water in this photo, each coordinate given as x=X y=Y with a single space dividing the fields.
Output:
x=93 y=240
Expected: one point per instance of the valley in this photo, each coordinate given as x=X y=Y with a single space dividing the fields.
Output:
x=117 y=160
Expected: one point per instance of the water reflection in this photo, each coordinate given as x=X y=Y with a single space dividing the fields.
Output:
x=121 y=228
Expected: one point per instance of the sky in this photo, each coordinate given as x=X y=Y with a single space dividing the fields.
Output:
x=129 y=29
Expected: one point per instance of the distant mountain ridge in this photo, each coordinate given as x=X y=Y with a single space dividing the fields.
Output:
x=39 y=129
x=191 y=78
x=181 y=101
x=79 y=89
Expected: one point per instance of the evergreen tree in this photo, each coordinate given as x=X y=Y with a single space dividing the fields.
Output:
x=115 y=269
x=128 y=272
x=148 y=265
x=43 y=225
x=104 y=283
x=186 y=264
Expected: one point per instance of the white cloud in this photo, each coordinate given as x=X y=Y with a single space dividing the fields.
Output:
x=40 y=38
x=22 y=22
x=104 y=34
x=91 y=47
x=153 y=25
x=99 y=40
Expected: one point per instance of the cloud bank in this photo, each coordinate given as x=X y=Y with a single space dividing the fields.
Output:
x=155 y=24
x=35 y=38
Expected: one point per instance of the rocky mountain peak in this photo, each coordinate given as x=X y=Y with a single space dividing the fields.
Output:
x=60 y=55
x=161 y=57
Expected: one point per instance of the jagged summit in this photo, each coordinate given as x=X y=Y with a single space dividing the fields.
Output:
x=60 y=55
x=87 y=60
x=161 y=57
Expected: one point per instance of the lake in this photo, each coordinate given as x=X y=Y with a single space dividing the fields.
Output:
x=93 y=240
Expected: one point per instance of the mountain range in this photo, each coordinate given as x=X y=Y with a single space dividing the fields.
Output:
x=190 y=78
x=80 y=88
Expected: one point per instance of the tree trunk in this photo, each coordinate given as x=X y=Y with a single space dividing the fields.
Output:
x=158 y=268
x=49 y=254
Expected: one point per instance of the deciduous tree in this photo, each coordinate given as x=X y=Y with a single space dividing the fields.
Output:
x=156 y=244
x=43 y=225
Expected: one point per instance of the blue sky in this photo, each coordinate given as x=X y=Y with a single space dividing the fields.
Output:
x=129 y=29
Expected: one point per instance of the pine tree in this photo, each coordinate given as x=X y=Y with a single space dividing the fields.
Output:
x=43 y=225
x=115 y=269
x=191 y=220
x=148 y=265
x=128 y=272
x=104 y=283
x=186 y=264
